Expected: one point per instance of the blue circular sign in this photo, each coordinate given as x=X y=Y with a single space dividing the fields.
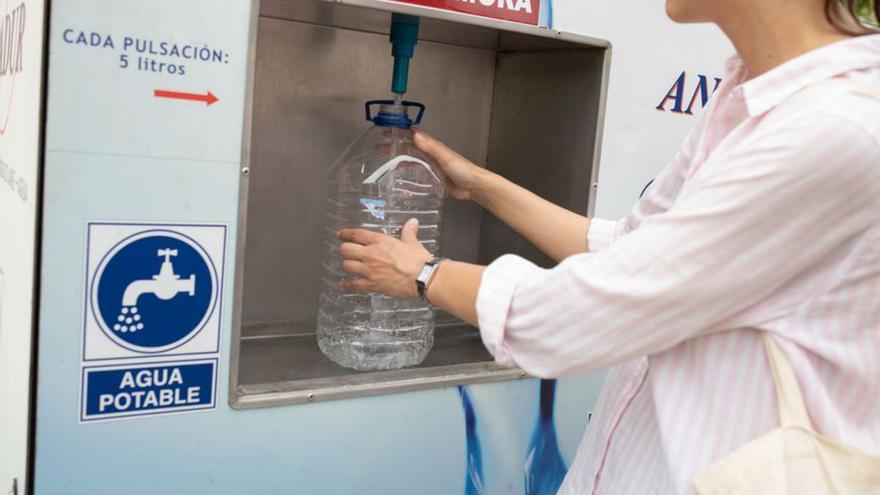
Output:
x=154 y=291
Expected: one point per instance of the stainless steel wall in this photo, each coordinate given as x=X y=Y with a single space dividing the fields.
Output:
x=311 y=84
x=527 y=106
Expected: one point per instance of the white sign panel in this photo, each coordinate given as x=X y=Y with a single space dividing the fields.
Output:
x=21 y=67
x=153 y=81
x=145 y=104
x=151 y=291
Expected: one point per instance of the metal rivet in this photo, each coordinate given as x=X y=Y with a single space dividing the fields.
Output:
x=246 y=171
x=522 y=374
x=311 y=397
x=595 y=185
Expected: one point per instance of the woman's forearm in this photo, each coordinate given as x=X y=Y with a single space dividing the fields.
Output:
x=455 y=287
x=554 y=230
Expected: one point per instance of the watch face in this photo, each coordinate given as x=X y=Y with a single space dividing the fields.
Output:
x=423 y=274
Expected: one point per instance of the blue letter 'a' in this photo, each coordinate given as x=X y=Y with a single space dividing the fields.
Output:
x=675 y=93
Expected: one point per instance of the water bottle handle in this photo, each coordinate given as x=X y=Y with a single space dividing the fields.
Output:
x=406 y=104
x=421 y=108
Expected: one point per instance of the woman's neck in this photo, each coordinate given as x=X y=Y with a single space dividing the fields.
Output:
x=772 y=33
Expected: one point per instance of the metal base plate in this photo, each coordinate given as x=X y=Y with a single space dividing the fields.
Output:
x=279 y=368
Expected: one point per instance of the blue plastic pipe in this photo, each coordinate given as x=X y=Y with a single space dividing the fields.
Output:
x=404 y=36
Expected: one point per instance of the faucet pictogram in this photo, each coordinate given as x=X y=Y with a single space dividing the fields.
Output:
x=165 y=285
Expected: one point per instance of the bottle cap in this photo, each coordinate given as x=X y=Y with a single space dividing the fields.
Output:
x=392 y=114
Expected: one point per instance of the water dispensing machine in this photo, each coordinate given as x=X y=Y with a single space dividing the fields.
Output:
x=525 y=101
x=167 y=195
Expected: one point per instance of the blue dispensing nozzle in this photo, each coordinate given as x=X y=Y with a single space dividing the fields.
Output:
x=404 y=36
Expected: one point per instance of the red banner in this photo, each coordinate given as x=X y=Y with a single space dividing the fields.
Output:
x=524 y=11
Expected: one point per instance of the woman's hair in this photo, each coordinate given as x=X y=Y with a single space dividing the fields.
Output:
x=844 y=15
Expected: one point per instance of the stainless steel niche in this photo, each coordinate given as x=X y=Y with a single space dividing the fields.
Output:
x=526 y=102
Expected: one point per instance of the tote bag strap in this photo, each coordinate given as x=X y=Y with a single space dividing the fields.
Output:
x=792 y=410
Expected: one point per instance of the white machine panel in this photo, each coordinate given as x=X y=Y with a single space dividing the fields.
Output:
x=21 y=46
x=159 y=112
x=649 y=54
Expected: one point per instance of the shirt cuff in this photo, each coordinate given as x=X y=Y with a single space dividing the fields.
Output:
x=600 y=235
x=494 y=299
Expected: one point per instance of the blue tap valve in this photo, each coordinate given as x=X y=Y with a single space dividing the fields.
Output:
x=404 y=36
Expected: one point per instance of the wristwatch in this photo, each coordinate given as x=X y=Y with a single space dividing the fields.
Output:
x=425 y=276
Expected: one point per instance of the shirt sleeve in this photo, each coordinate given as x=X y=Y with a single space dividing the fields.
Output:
x=657 y=199
x=601 y=234
x=750 y=220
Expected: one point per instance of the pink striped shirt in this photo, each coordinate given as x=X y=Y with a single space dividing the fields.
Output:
x=768 y=219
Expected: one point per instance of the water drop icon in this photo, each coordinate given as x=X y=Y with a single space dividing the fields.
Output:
x=129 y=320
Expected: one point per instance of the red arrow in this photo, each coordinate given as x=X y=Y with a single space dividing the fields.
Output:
x=208 y=98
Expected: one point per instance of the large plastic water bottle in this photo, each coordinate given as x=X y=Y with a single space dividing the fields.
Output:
x=378 y=183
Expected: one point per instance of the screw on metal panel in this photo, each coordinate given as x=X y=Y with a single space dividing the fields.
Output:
x=595 y=185
x=522 y=374
x=246 y=171
x=311 y=397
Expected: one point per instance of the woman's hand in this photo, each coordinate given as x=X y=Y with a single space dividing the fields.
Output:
x=464 y=177
x=383 y=263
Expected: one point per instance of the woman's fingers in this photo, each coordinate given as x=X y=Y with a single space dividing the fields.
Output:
x=431 y=146
x=380 y=263
x=358 y=285
x=356 y=267
x=359 y=236
x=352 y=251
x=410 y=232
x=460 y=173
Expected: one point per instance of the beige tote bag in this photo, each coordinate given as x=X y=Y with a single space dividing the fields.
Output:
x=792 y=459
